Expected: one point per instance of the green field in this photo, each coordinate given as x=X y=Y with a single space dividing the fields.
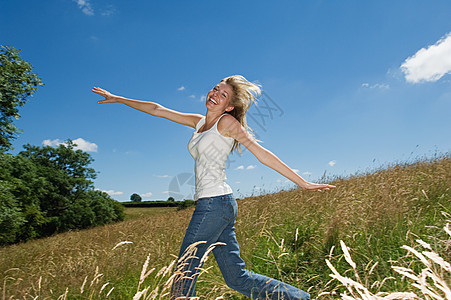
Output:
x=287 y=235
x=132 y=213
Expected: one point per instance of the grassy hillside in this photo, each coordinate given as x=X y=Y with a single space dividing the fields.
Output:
x=287 y=235
x=132 y=213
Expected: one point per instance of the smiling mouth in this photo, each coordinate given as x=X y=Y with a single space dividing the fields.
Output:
x=213 y=101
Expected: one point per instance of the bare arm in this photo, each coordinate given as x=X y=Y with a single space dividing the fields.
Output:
x=234 y=129
x=151 y=108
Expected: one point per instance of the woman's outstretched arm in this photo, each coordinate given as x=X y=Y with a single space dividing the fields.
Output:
x=151 y=108
x=229 y=126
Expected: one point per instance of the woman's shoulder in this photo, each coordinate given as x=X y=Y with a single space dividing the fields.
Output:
x=226 y=124
x=227 y=120
x=200 y=120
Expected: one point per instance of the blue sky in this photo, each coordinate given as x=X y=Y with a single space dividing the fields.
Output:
x=352 y=85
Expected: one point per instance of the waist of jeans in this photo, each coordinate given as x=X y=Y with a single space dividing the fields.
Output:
x=219 y=198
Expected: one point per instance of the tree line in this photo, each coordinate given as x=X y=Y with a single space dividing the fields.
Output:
x=136 y=201
x=43 y=190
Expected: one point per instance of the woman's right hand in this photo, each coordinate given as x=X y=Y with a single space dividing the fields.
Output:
x=109 y=98
x=318 y=187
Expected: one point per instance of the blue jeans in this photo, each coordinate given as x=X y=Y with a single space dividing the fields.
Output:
x=213 y=221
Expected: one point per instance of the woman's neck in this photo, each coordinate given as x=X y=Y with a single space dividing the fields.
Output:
x=212 y=116
x=210 y=119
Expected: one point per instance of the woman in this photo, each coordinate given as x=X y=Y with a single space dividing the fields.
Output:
x=222 y=130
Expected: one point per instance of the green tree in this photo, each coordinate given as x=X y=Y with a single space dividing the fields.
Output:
x=135 y=198
x=171 y=199
x=20 y=197
x=11 y=218
x=17 y=84
x=67 y=179
x=45 y=190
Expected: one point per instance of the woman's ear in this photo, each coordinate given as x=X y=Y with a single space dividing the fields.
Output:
x=230 y=108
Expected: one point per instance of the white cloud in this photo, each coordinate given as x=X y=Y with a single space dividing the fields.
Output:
x=85 y=145
x=307 y=173
x=250 y=167
x=296 y=170
x=181 y=88
x=162 y=176
x=113 y=193
x=431 y=64
x=147 y=195
x=52 y=143
x=85 y=7
x=202 y=98
x=381 y=86
x=332 y=163
x=80 y=143
x=192 y=96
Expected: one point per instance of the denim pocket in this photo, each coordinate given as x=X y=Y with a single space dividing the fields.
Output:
x=229 y=210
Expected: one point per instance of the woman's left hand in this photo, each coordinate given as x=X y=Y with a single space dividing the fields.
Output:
x=308 y=186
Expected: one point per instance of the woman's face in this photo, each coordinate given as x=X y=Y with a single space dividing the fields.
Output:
x=219 y=97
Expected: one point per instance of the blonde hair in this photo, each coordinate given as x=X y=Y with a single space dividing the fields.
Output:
x=244 y=94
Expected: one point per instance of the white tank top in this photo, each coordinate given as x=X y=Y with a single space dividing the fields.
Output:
x=210 y=150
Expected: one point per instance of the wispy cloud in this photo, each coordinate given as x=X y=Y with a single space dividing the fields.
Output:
x=429 y=64
x=80 y=143
x=307 y=173
x=131 y=152
x=182 y=88
x=250 y=167
x=109 y=11
x=192 y=96
x=202 y=98
x=332 y=163
x=161 y=176
x=147 y=195
x=113 y=192
x=85 y=7
x=380 y=86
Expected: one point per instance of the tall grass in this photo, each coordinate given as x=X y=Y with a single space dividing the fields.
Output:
x=433 y=282
x=287 y=235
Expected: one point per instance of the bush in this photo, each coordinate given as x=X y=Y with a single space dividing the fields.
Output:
x=185 y=204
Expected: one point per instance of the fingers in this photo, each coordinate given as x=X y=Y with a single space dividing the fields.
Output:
x=99 y=91
x=103 y=93
x=320 y=187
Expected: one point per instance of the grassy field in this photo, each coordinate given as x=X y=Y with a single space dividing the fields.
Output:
x=132 y=213
x=287 y=235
